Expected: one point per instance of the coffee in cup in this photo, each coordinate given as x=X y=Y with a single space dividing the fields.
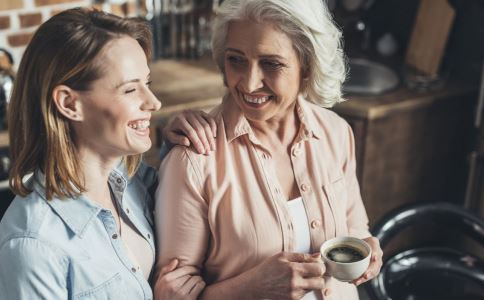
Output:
x=346 y=258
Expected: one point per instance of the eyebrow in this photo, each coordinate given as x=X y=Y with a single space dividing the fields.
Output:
x=130 y=81
x=261 y=56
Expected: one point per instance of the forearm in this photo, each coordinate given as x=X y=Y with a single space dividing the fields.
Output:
x=236 y=288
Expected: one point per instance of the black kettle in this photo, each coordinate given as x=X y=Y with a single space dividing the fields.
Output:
x=6 y=85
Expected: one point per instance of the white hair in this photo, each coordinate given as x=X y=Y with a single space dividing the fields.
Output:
x=315 y=38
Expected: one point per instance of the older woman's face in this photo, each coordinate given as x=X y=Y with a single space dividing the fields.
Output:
x=262 y=70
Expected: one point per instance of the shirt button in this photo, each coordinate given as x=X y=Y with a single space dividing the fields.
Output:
x=127 y=210
x=305 y=187
x=133 y=269
x=149 y=236
x=119 y=180
x=315 y=224
x=114 y=236
x=296 y=151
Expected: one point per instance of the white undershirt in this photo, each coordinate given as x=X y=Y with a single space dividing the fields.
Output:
x=302 y=239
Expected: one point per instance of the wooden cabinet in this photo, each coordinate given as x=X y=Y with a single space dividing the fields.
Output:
x=411 y=147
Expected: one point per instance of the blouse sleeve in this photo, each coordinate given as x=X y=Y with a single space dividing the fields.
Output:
x=31 y=269
x=357 y=219
x=181 y=211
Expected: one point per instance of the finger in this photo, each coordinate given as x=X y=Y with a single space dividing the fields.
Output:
x=169 y=267
x=208 y=131
x=189 y=285
x=200 y=131
x=192 y=135
x=314 y=283
x=197 y=289
x=212 y=123
x=177 y=139
x=316 y=269
x=180 y=272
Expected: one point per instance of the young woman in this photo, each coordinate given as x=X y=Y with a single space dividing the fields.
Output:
x=81 y=227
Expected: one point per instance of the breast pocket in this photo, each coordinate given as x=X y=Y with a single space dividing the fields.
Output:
x=112 y=289
x=337 y=195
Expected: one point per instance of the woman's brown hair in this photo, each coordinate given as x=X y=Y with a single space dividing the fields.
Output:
x=62 y=51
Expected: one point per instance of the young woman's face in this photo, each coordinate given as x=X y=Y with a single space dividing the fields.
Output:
x=262 y=70
x=117 y=108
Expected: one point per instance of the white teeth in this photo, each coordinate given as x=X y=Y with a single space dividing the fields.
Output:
x=255 y=99
x=143 y=124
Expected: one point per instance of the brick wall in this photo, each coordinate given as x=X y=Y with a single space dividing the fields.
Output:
x=20 y=18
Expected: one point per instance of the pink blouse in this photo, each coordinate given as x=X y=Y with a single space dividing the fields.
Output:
x=224 y=213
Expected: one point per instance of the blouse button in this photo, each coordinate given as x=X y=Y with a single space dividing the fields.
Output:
x=305 y=187
x=296 y=151
x=149 y=236
x=133 y=269
x=114 y=236
x=119 y=180
x=315 y=224
x=127 y=210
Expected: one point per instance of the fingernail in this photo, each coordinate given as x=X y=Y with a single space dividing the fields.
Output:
x=327 y=292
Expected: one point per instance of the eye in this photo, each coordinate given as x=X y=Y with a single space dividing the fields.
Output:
x=148 y=83
x=129 y=91
x=271 y=65
x=235 y=60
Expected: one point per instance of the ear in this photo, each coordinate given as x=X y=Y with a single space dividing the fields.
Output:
x=67 y=102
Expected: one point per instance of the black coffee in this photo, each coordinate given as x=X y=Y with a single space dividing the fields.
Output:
x=345 y=254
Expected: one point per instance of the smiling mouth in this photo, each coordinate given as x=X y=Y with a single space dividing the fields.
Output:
x=139 y=124
x=256 y=100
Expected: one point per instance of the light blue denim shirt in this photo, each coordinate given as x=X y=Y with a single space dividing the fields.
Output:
x=70 y=249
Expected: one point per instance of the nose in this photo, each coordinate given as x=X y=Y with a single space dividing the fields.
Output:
x=253 y=79
x=150 y=102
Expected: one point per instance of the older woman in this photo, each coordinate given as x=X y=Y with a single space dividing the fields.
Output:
x=81 y=226
x=282 y=179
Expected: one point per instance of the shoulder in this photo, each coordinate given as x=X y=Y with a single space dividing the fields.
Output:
x=24 y=216
x=328 y=123
x=326 y=117
x=24 y=236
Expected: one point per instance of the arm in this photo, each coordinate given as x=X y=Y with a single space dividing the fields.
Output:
x=356 y=214
x=357 y=219
x=180 y=216
x=31 y=269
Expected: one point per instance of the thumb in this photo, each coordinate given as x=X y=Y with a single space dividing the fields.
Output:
x=169 y=267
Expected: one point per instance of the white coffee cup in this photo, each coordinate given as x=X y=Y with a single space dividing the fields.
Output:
x=346 y=271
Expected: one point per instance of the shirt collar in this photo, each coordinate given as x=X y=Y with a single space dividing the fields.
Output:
x=237 y=125
x=309 y=126
x=79 y=212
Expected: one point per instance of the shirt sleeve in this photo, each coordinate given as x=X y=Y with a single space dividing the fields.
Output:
x=181 y=211
x=31 y=269
x=357 y=220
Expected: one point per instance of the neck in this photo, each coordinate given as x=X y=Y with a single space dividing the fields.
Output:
x=96 y=169
x=282 y=129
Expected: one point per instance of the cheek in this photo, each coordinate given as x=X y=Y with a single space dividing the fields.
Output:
x=231 y=77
